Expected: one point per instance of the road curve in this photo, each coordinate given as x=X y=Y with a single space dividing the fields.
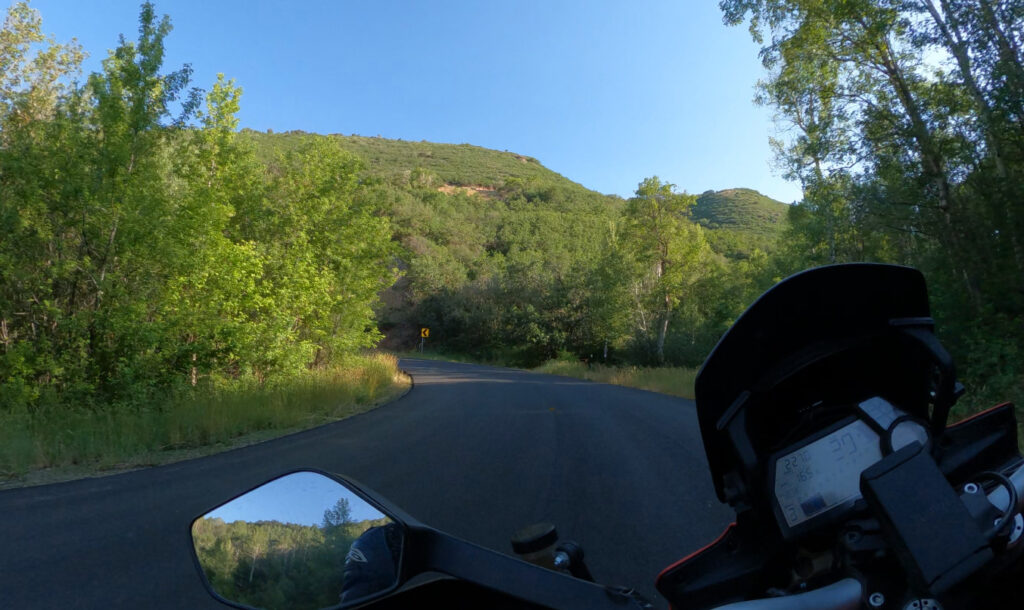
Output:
x=476 y=451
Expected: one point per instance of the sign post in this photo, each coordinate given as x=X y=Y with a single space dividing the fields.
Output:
x=424 y=333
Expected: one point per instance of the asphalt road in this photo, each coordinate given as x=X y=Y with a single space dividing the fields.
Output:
x=475 y=451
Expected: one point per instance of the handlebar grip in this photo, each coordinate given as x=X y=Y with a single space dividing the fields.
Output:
x=1000 y=497
x=845 y=594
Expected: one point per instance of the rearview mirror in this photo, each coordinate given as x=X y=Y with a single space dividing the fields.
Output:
x=303 y=540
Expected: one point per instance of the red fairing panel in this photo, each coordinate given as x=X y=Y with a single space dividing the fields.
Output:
x=706 y=547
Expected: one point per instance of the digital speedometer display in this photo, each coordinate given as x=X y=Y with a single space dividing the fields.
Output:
x=825 y=473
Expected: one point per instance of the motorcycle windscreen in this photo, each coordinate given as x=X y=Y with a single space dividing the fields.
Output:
x=802 y=318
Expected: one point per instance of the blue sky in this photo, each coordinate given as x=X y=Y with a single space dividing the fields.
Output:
x=603 y=92
x=298 y=498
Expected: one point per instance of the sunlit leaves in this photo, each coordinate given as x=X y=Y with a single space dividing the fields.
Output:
x=143 y=250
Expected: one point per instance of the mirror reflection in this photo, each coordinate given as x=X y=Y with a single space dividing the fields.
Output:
x=300 y=541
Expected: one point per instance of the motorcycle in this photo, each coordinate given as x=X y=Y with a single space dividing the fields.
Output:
x=823 y=412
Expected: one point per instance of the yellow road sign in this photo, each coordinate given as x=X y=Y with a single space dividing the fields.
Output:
x=424 y=332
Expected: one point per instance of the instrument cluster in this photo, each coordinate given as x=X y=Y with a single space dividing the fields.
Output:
x=817 y=480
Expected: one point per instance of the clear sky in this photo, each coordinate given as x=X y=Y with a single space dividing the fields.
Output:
x=298 y=498
x=605 y=92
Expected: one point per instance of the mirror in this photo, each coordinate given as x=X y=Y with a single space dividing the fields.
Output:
x=300 y=541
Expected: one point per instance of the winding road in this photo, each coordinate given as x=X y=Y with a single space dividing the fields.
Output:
x=472 y=450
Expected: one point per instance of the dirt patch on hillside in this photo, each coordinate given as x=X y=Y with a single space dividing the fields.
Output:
x=480 y=191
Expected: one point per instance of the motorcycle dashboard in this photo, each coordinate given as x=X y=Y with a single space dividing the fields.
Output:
x=816 y=481
x=822 y=473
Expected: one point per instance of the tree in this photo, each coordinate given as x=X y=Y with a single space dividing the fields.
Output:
x=210 y=301
x=338 y=515
x=147 y=247
x=82 y=182
x=904 y=157
x=671 y=252
x=32 y=84
x=938 y=140
x=35 y=159
x=609 y=301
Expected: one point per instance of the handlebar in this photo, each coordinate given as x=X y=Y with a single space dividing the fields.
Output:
x=847 y=594
x=843 y=595
x=999 y=497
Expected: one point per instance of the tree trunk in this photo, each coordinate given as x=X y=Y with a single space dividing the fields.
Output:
x=958 y=48
x=819 y=175
x=933 y=165
x=1001 y=198
x=1008 y=51
x=659 y=270
x=663 y=330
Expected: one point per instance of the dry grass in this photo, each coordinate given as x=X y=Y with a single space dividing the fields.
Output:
x=676 y=381
x=196 y=423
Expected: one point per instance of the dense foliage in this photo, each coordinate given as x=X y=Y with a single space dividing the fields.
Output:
x=145 y=246
x=506 y=260
x=270 y=564
x=742 y=220
x=460 y=164
x=743 y=210
x=906 y=125
x=149 y=244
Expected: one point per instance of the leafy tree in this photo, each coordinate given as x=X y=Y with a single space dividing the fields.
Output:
x=269 y=564
x=149 y=248
x=338 y=515
x=671 y=253
x=609 y=298
x=84 y=183
x=35 y=71
x=903 y=159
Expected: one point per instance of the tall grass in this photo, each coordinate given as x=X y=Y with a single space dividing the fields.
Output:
x=677 y=381
x=216 y=415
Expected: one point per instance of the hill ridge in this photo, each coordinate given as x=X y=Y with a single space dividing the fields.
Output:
x=479 y=171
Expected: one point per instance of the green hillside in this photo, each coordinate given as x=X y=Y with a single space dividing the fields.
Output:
x=740 y=209
x=504 y=259
x=740 y=221
x=490 y=172
x=453 y=164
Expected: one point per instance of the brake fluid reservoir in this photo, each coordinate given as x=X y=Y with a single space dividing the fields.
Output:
x=536 y=544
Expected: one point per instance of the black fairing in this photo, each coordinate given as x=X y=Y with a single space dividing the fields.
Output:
x=796 y=364
x=830 y=335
